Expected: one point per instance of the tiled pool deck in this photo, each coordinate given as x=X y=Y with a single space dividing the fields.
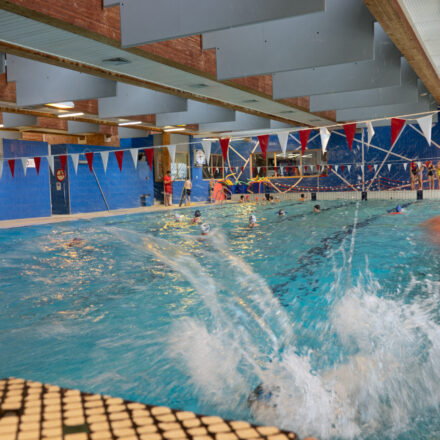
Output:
x=33 y=411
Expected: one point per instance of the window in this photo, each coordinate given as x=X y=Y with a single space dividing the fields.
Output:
x=215 y=168
x=263 y=167
x=179 y=169
x=288 y=164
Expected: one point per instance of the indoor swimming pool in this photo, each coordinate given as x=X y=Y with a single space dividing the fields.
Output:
x=334 y=316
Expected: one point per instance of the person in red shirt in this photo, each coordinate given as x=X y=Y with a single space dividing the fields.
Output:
x=168 y=189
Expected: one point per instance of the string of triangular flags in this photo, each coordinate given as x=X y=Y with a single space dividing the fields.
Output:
x=397 y=125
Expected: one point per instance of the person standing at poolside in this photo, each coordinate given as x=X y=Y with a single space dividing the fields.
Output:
x=431 y=170
x=187 y=187
x=168 y=189
x=415 y=172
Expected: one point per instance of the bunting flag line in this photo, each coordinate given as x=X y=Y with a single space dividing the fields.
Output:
x=149 y=153
x=283 y=138
x=224 y=144
x=172 y=151
x=89 y=157
x=350 y=130
x=263 y=140
x=37 y=161
x=304 y=137
x=134 y=155
x=11 y=163
x=206 y=145
x=50 y=161
x=104 y=158
x=23 y=164
x=396 y=128
x=325 y=136
x=425 y=124
x=63 y=160
x=120 y=157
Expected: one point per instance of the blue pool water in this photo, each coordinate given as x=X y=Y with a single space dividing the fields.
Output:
x=337 y=314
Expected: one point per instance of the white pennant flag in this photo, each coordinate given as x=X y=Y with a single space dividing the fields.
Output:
x=325 y=136
x=389 y=167
x=226 y=170
x=425 y=124
x=311 y=168
x=172 y=151
x=336 y=167
x=405 y=165
x=419 y=164
x=134 y=155
x=375 y=166
x=24 y=163
x=51 y=163
x=371 y=132
x=104 y=158
x=349 y=168
x=283 y=137
x=217 y=170
x=206 y=145
x=75 y=160
x=258 y=170
x=282 y=170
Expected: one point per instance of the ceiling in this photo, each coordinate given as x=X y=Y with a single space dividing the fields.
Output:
x=299 y=64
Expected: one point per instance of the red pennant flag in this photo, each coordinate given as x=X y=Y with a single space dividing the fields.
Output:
x=149 y=152
x=330 y=167
x=305 y=168
x=275 y=169
x=224 y=144
x=37 y=161
x=350 y=130
x=396 y=127
x=304 y=137
x=63 y=160
x=11 y=163
x=370 y=167
x=318 y=167
x=242 y=169
x=264 y=170
x=89 y=157
x=119 y=156
x=342 y=168
x=427 y=163
x=264 y=140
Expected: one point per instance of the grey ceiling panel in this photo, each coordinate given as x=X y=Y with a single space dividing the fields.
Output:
x=383 y=71
x=76 y=127
x=344 y=33
x=11 y=120
x=425 y=104
x=108 y=3
x=125 y=133
x=39 y=83
x=407 y=92
x=131 y=101
x=147 y=21
x=278 y=124
x=197 y=113
x=243 y=121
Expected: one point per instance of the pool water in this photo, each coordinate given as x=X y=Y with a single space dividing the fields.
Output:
x=335 y=314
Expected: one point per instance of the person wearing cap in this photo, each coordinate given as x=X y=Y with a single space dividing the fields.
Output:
x=204 y=229
x=197 y=217
x=252 y=221
x=316 y=208
x=282 y=213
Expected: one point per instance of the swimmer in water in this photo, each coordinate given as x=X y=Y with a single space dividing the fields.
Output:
x=252 y=221
x=204 y=229
x=263 y=398
x=177 y=218
x=316 y=208
x=282 y=213
x=76 y=242
x=197 y=217
x=397 y=210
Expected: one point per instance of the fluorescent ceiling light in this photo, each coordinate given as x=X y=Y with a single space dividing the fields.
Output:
x=62 y=105
x=70 y=115
x=210 y=139
x=175 y=129
x=121 y=124
x=1 y=125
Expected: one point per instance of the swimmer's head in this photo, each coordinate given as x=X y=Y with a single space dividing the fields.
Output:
x=197 y=214
x=281 y=212
x=398 y=208
x=252 y=219
x=317 y=208
x=177 y=217
x=204 y=228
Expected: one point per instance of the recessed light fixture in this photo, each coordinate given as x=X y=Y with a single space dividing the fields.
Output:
x=122 y=124
x=62 y=105
x=175 y=129
x=210 y=139
x=1 y=125
x=70 y=115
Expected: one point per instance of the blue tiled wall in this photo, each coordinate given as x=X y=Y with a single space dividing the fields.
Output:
x=122 y=189
x=24 y=196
